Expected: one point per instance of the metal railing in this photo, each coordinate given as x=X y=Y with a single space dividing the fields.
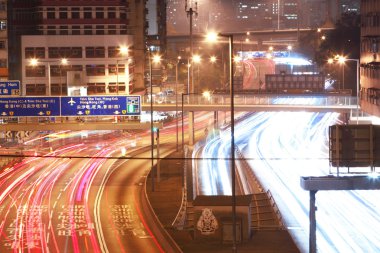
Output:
x=256 y=99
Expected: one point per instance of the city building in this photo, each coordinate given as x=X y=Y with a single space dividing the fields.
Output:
x=91 y=35
x=226 y=15
x=3 y=41
x=370 y=57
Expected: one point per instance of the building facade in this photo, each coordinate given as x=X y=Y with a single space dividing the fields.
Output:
x=76 y=65
x=226 y=15
x=3 y=40
x=89 y=34
x=370 y=57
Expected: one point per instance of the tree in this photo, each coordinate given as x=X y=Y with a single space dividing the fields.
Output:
x=344 y=40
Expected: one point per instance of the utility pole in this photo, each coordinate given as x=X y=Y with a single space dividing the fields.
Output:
x=191 y=8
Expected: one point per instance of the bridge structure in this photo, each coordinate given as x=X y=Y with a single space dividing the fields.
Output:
x=254 y=103
x=186 y=103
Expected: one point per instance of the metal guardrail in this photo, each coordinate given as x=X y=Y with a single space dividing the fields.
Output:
x=275 y=208
x=180 y=219
x=252 y=180
x=254 y=99
x=248 y=175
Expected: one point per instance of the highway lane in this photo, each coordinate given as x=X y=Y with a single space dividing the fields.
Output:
x=293 y=145
x=76 y=205
x=88 y=204
x=281 y=147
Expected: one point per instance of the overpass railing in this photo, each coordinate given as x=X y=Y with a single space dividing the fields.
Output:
x=254 y=99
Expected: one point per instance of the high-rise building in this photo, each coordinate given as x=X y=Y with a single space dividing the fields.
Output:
x=91 y=35
x=370 y=57
x=3 y=40
x=227 y=15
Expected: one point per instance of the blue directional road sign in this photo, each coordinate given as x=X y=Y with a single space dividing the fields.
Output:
x=100 y=106
x=10 y=88
x=29 y=106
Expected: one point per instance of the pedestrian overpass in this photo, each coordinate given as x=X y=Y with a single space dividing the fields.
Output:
x=184 y=103
x=253 y=103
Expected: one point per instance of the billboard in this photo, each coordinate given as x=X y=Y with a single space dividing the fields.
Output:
x=354 y=145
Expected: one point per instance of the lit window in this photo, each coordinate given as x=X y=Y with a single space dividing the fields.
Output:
x=3 y=25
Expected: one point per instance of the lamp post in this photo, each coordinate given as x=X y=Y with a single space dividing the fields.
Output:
x=35 y=62
x=152 y=59
x=182 y=122
x=357 y=61
x=123 y=51
x=289 y=51
x=196 y=59
x=213 y=37
x=342 y=60
x=176 y=99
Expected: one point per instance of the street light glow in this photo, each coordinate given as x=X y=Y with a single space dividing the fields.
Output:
x=341 y=59
x=212 y=37
x=156 y=58
x=33 y=61
x=206 y=94
x=64 y=61
x=213 y=59
x=123 y=50
x=237 y=58
x=196 y=58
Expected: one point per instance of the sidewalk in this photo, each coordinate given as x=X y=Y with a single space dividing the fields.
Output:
x=166 y=201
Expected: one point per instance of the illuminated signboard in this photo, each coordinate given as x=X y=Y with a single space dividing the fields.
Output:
x=29 y=106
x=10 y=88
x=100 y=106
x=70 y=106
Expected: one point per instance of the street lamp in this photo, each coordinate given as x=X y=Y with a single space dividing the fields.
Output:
x=213 y=59
x=123 y=51
x=35 y=62
x=152 y=59
x=289 y=47
x=196 y=59
x=176 y=99
x=213 y=37
x=207 y=95
x=342 y=60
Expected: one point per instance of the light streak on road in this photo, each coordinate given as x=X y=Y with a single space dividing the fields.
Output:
x=55 y=205
x=283 y=146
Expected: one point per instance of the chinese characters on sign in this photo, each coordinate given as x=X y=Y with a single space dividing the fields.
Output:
x=70 y=106
x=29 y=106
x=94 y=105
